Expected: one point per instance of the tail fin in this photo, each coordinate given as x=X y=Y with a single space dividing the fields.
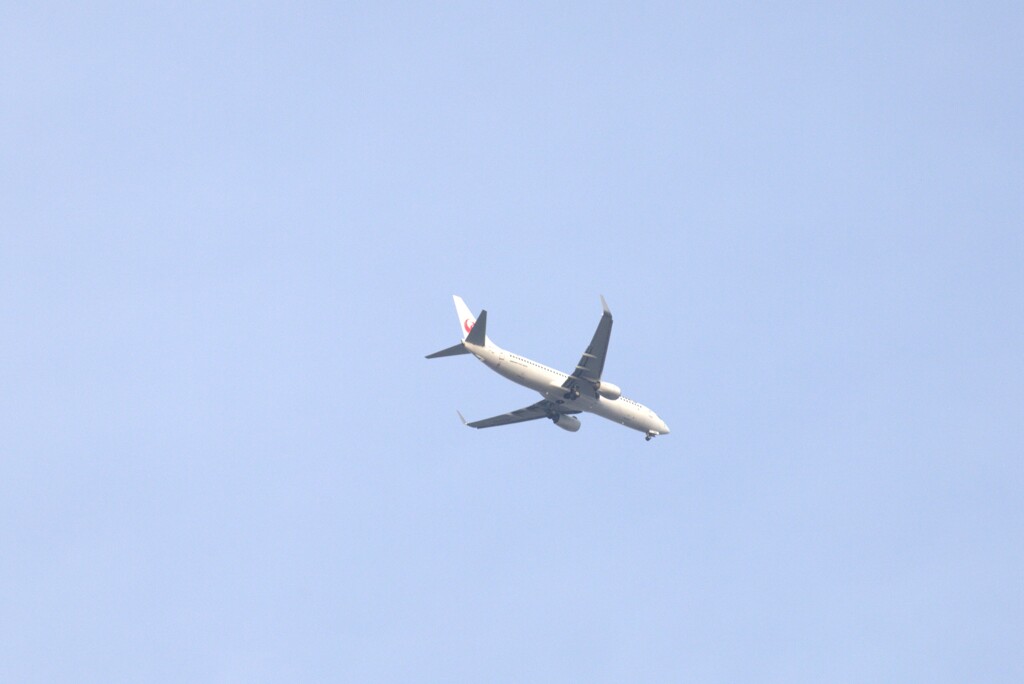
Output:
x=466 y=319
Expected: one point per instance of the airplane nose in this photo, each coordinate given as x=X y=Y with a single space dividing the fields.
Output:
x=664 y=428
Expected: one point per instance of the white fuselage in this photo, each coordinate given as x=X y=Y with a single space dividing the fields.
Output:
x=548 y=382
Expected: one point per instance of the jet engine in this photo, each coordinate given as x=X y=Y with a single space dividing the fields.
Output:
x=565 y=422
x=608 y=390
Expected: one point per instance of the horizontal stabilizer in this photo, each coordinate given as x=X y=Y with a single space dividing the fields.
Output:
x=450 y=351
x=478 y=333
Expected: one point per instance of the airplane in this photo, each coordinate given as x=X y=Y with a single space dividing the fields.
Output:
x=564 y=395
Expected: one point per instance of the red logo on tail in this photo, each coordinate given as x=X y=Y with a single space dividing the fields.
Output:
x=468 y=324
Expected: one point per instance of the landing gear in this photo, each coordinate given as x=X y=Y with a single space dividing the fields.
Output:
x=648 y=437
x=573 y=394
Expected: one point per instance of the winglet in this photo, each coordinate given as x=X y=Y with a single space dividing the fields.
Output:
x=604 y=305
x=461 y=417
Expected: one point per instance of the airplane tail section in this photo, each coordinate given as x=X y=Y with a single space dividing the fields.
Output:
x=473 y=330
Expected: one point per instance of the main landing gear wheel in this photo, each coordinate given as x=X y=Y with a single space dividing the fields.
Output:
x=573 y=394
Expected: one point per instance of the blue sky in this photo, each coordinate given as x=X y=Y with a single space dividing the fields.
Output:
x=231 y=232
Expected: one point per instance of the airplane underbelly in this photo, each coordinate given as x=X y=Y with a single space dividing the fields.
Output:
x=517 y=373
x=614 y=410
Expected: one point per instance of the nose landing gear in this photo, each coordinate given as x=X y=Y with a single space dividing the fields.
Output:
x=649 y=436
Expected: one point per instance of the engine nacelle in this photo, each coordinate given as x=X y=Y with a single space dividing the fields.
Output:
x=608 y=390
x=565 y=422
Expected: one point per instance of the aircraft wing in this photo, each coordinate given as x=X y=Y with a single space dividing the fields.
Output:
x=542 y=409
x=588 y=370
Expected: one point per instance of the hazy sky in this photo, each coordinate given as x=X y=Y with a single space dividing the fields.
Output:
x=229 y=233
